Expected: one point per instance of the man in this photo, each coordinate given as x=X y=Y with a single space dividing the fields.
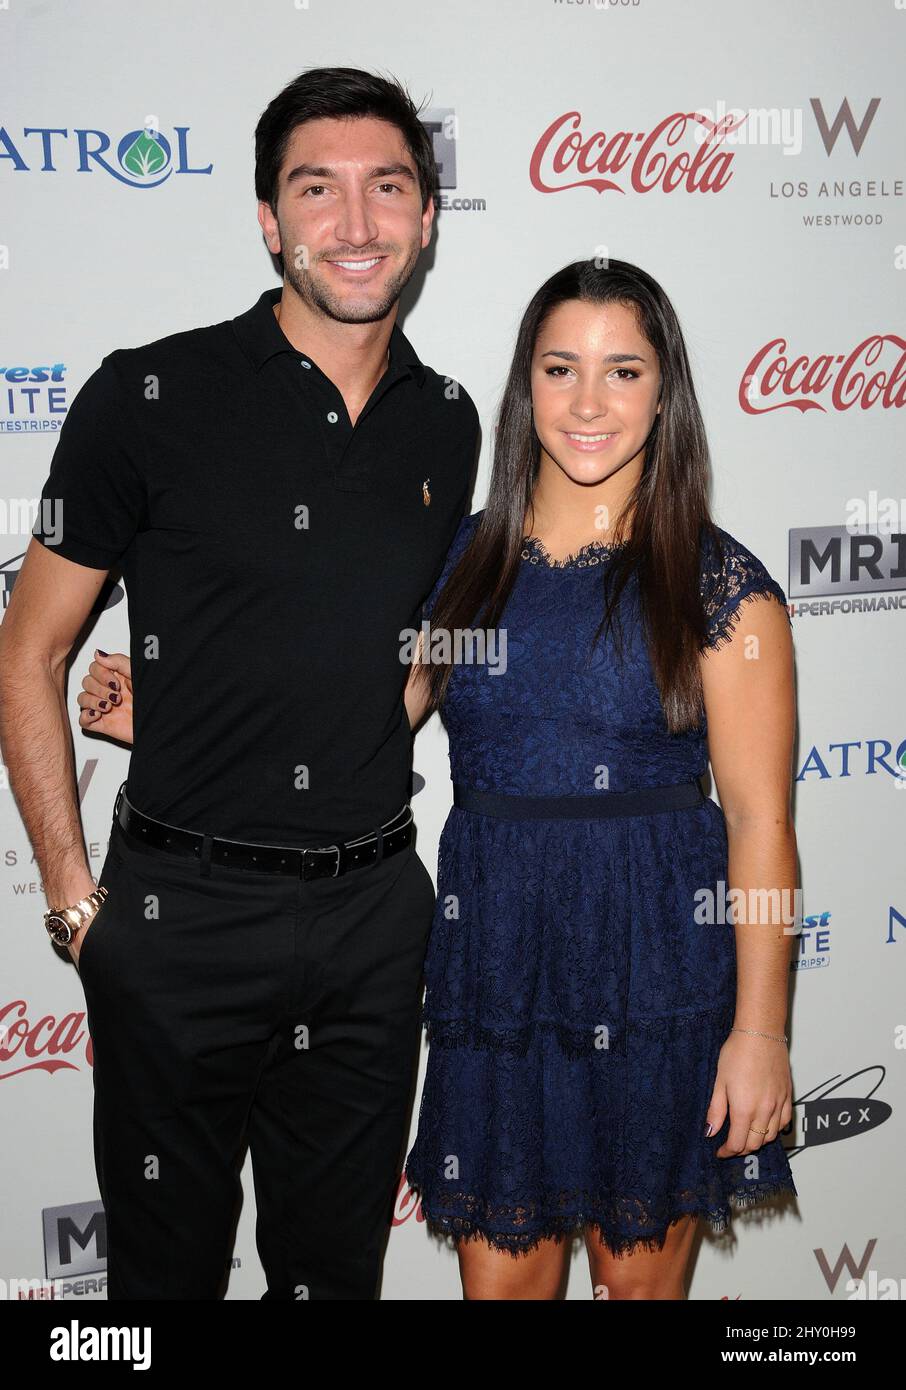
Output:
x=280 y=491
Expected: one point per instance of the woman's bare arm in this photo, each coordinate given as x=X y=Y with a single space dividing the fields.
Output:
x=750 y=707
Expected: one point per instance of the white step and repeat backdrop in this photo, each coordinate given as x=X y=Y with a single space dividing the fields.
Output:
x=564 y=131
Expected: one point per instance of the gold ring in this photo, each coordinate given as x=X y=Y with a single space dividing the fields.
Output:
x=758 y=1131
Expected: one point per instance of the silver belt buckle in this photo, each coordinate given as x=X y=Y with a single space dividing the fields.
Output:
x=322 y=849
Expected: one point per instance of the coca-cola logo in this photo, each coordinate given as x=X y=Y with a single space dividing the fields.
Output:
x=771 y=381
x=49 y=1044
x=407 y=1204
x=566 y=158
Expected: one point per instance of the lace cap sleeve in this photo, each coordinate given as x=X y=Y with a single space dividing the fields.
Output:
x=457 y=546
x=730 y=576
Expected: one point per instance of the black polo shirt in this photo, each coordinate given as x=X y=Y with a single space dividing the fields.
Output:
x=272 y=554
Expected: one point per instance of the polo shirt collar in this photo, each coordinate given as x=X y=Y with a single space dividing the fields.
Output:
x=261 y=337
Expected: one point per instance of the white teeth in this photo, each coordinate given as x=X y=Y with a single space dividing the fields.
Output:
x=358 y=265
x=590 y=438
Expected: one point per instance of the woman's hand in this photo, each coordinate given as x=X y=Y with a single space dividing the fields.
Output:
x=753 y=1079
x=105 y=699
x=417 y=696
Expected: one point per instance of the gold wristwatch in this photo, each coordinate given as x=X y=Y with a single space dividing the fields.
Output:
x=63 y=923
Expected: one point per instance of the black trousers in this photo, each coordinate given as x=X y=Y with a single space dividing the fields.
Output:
x=249 y=1007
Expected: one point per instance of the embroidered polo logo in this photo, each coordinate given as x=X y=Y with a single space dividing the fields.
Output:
x=426 y=496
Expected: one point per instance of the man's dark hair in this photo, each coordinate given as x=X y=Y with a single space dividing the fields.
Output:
x=338 y=92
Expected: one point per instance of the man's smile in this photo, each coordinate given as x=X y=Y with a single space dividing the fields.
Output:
x=356 y=266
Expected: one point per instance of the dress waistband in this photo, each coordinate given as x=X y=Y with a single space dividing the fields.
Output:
x=642 y=802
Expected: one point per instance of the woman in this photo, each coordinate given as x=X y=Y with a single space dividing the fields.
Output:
x=586 y=1018
x=608 y=1049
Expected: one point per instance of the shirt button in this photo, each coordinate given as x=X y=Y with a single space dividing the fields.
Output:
x=332 y=416
x=303 y=363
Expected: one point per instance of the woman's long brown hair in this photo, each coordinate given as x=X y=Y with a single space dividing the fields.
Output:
x=668 y=509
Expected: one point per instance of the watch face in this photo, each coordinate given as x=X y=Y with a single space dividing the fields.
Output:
x=60 y=930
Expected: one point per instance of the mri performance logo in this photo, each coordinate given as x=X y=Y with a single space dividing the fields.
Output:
x=845 y=569
x=75 y=1248
x=142 y=158
x=75 y=1256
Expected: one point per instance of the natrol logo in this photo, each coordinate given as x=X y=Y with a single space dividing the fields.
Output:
x=565 y=157
x=858 y=377
x=49 y=1044
x=144 y=158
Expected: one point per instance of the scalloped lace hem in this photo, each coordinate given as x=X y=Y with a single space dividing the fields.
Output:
x=618 y=1241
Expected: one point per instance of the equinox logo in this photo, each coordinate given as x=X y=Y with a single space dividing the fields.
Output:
x=840 y=1108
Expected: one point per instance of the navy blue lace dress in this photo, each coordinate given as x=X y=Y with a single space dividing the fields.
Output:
x=575 y=1008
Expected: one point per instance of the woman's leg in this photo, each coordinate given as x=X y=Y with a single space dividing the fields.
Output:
x=490 y=1273
x=652 y=1274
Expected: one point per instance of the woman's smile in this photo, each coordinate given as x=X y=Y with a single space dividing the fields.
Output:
x=589 y=443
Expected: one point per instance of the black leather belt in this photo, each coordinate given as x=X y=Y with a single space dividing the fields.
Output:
x=642 y=802
x=328 y=861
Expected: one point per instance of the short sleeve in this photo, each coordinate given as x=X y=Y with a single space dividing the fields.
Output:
x=730 y=575
x=94 y=498
x=463 y=535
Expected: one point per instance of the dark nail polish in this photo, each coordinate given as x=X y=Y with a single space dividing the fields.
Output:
x=102 y=653
x=115 y=699
x=92 y=711
x=102 y=704
x=114 y=685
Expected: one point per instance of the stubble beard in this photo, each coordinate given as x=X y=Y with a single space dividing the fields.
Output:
x=313 y=291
